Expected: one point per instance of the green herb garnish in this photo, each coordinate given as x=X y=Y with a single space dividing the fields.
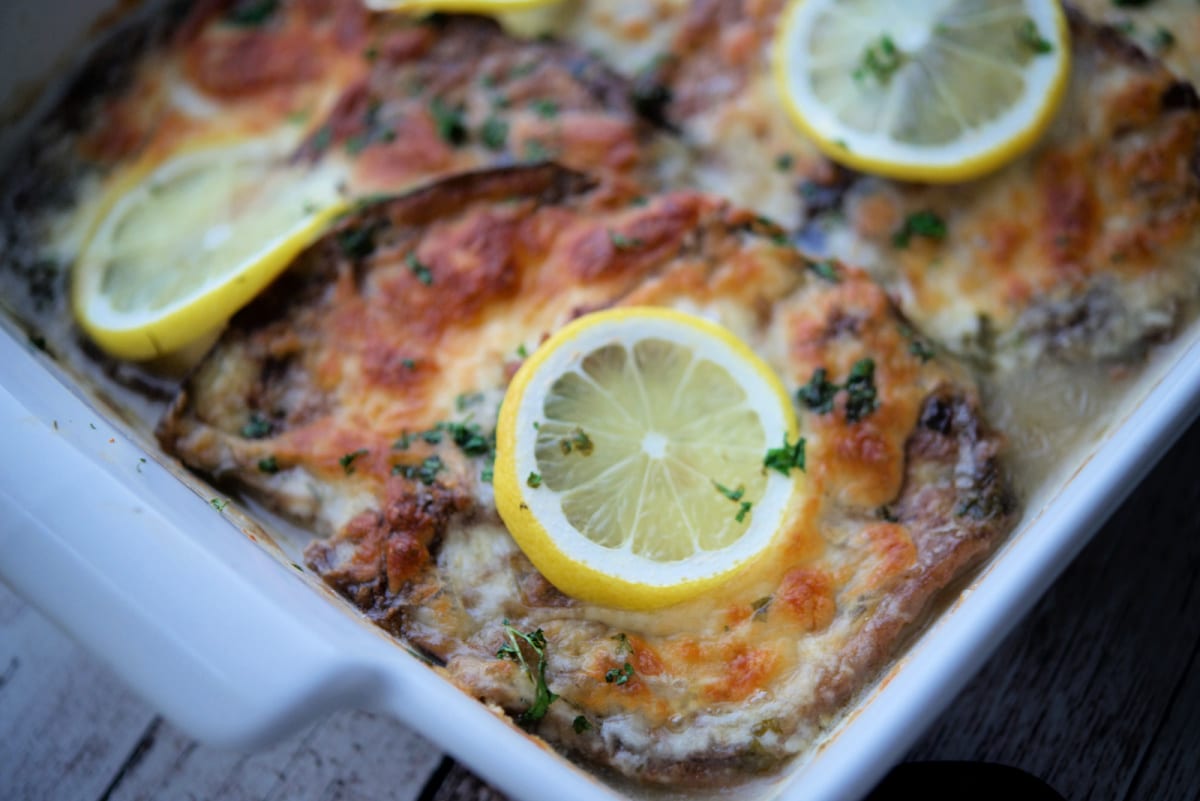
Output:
x=268 y=465
x=450 y=122
x=786 y=458
x=251 y=13
x=620 y=675
x=425 y=472
x=534 y=480
x=861 y=397
x=880 y=61
x=515 y=649
x=257 y=427
x=622 y=242
x=356 y=243
x=818 y=393
x=494 y=133
x=347 y=461
x=921 y=223
x=826 y=270
x=419 y=268
x=579 y=442
x=731 y=494
x=580 y=724
x=1029 y=36
x=544 y=108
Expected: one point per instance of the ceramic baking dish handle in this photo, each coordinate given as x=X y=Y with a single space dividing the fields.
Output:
x=233 y=661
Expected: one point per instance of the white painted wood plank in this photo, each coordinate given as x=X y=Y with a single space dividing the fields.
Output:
x=348 y=755
x=66 y=723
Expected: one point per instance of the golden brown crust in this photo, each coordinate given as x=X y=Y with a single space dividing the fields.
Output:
x=734 y=681
x=1082 y=249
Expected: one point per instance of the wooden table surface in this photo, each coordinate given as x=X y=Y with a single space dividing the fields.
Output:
x=1097 y=692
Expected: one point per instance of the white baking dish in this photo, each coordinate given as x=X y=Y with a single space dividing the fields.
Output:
x=237 y=647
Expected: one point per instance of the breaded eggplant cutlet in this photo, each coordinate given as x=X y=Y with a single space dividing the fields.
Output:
x=358 y=396
x=1083 y=250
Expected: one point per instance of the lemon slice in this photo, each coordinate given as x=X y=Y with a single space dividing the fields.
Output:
x=940 y=90
x=179 y=247
x=630 y=457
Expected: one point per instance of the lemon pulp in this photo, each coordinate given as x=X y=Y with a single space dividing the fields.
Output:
x=630 y=457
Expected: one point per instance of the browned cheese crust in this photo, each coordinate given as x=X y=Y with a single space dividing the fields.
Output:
x=326 y=394
x=1084 y=250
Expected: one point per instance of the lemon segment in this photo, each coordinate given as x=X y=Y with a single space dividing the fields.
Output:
x=180 y=246
x=938 y=91
x=629 y=464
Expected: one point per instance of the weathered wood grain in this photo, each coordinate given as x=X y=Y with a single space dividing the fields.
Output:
x=1092 y=691
x=66 y=723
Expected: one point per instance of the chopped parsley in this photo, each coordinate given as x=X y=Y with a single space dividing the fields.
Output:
x=1029 y=36
x=861 y=397
x=450 y=122
x=257 y=427
x=624 y=646
x=347 y=461
x=268 y=465
x=467 y=399
x=735 y=495
x=622 y=242
x=784 y=162
x=494 y=133
x=356 y=242
x=515 y=650
x=579 y=442
x=433 y=436
x=469 y=437
x=536 y=151
x=419 y=268
x=321 y=139
x=731 y=494
x=409 y=364
x=1131 y=3
x=620 y=675
x=534 y=480
x=826 y=270
x=880 y=61
x=1162 y=39
x=786 y=458
x=522 y=351
x=818 y=393
x=218 y=504
x=921 y=349
x=921 y=223
x=544 y=108
x=251 y=13
x=580 y=724
x=425 y=472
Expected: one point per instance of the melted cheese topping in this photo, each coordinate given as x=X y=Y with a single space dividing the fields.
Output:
x=744 y=675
